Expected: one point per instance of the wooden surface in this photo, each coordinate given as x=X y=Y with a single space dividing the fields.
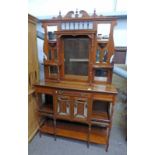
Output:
x=32 y=117
x=33 y=76
x=78 y=86
x=76 y=131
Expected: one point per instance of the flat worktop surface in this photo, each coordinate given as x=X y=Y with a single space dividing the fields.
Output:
x=81 y=86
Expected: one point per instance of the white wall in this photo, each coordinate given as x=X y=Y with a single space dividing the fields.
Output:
x=40 y=8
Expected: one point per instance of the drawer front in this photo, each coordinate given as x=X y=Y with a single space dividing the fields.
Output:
x=103 y=97
x=44 y=90
x=72 y=93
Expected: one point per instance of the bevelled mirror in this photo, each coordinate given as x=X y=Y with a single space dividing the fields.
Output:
x=50 y=31
x=103 y=31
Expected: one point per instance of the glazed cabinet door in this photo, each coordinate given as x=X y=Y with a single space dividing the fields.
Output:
x=63 y=106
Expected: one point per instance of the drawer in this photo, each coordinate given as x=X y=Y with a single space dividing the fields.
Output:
x=72 y=93
x=103 y=97
x=44 y=90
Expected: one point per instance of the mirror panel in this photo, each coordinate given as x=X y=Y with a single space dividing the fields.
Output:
x=50 y=31
x=103 y=31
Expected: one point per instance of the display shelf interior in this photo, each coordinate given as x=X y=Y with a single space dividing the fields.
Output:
x=100 y=111
x=100 y=116
x=46 y=105
x=76 y=131
x=46 y=108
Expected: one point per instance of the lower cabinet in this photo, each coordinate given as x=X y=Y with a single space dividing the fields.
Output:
x=75 y=115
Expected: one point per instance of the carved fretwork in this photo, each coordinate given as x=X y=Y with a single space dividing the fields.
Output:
x=69 y=14
x=82 y=14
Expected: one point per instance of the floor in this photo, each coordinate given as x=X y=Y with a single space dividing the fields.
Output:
x=46 y=145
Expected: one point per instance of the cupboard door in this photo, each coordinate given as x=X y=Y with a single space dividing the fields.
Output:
x=76 y=54
x=63 y=106
x=81 y=108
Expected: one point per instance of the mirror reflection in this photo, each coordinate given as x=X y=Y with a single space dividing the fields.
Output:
x=50 y=30
x=103 y=31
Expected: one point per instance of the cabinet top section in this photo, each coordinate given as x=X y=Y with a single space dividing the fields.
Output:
x=79 y=86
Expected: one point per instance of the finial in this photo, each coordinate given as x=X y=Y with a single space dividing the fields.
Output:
x=76 y=10
x=94 y=12
x=76 y=13
x=60 y=14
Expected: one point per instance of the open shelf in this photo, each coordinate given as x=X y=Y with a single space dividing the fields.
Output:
x=46 y=108
x=45 y=104
x=100 y=119
x=76 y=131
x=100 y=113
x=102 y=41
x=49 y=63
x=100 y=116
x=101 y=65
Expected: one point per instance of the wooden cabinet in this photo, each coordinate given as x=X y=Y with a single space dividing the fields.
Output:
x=33 y=76
x=77 y=99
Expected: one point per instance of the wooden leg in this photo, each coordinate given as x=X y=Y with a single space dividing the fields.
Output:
x=40 y=134
x=88 y=140
x=107 y=146
x=55 y=130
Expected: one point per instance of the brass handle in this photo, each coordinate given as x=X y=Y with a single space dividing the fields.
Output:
x=63 y=98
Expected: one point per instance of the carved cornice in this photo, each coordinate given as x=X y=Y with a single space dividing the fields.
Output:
x=77 y=14
x=81 y=15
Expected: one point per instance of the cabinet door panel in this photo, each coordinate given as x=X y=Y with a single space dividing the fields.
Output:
x=80 y=108
x=63 y=105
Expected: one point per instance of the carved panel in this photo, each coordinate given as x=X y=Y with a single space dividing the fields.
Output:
x=78 y=14
x=63 y=105
x=80 y=108
x=69 y=14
